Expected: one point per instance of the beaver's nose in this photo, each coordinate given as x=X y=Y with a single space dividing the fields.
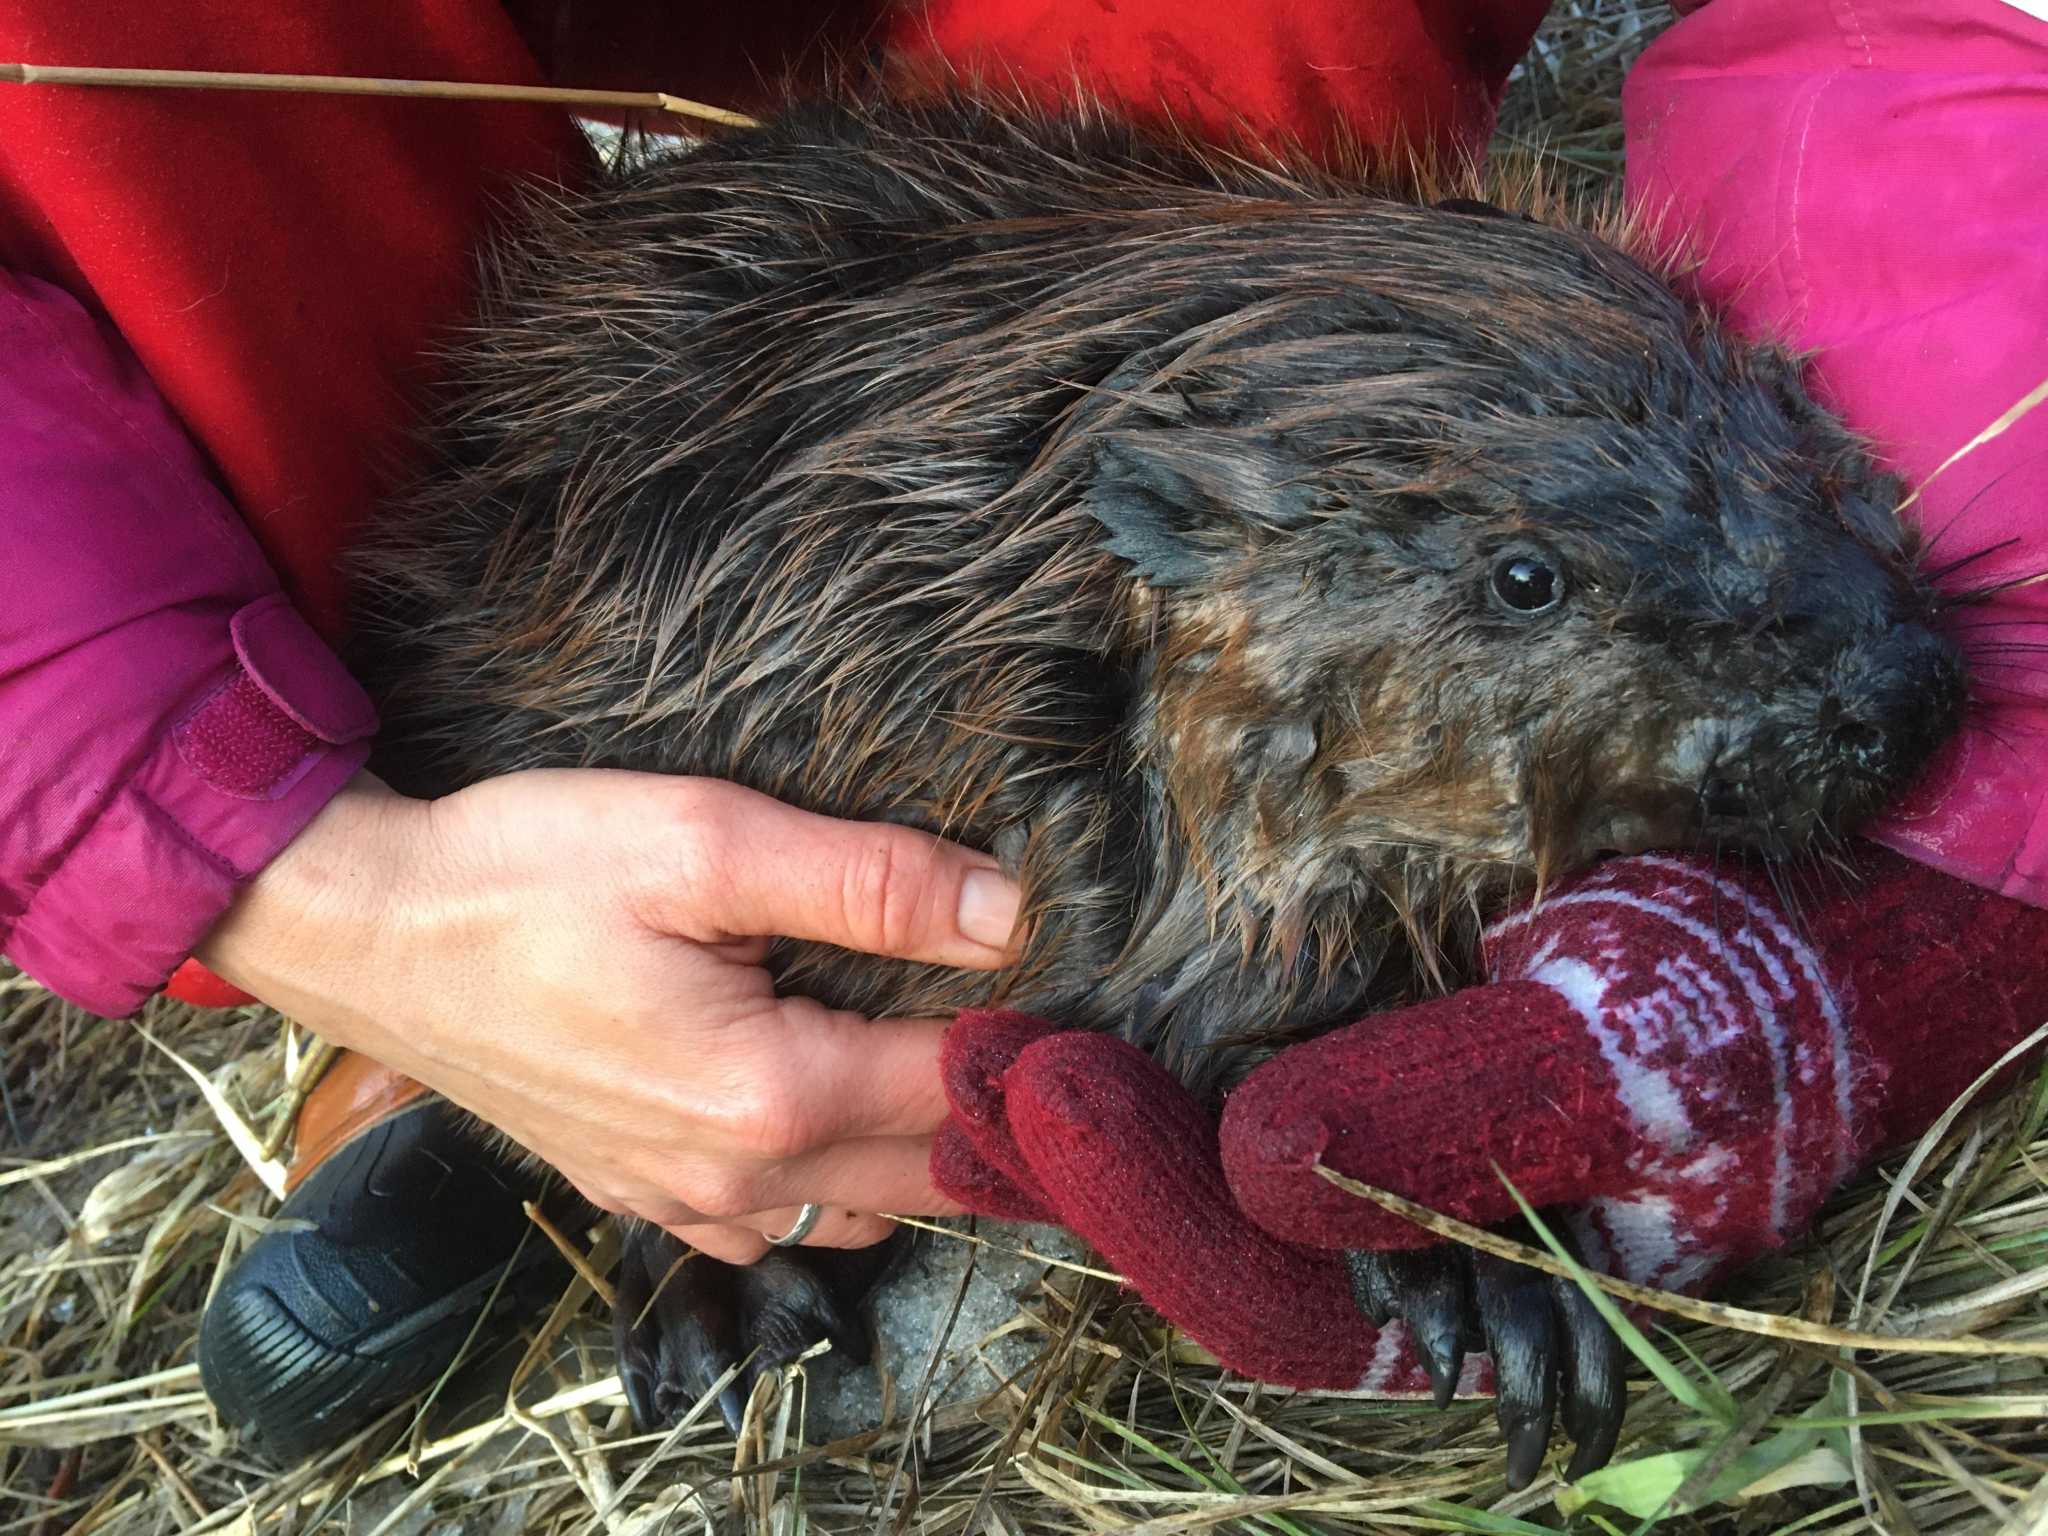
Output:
x=1910 y=700
x=1723 y=799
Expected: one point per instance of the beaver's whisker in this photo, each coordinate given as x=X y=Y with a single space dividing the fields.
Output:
x=1939 y=573
x=1970 y=597
x=1994 y=621
x=1930 y=541
x=1782 y=875
x=1714 y=906
x=1974 y=650
x=1804 y=877
x=1980 y=693
x=1835 y=860
x=1979 y=726
x=1971 y=500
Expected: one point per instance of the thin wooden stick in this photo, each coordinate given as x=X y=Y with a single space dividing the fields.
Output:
x=356 y=85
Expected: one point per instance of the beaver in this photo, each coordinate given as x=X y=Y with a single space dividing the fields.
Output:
x=1276 y=570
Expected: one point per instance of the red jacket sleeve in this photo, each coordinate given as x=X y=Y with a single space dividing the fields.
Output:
x=281 y=264
x=1326 y=75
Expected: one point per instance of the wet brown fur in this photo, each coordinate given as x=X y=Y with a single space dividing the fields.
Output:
x=1009 y=478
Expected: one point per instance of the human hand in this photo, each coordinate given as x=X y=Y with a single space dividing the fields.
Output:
x=575 y=956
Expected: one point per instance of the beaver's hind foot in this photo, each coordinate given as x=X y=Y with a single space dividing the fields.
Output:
x=1553 y=1354
x=681 y=1320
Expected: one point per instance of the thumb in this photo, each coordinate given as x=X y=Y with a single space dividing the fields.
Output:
x=742 y=865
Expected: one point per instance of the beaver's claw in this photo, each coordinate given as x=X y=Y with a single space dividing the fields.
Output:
x=679 y=1327
x=1551 y=1349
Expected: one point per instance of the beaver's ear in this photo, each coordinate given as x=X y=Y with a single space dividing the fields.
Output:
x=1178 y=504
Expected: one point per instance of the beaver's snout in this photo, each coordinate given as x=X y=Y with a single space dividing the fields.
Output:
x=1910 y=700
x=1834 y=758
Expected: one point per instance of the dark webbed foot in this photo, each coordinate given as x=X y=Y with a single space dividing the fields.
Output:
x=675 y=1328
x=1553 y=1354
x=679 y=1327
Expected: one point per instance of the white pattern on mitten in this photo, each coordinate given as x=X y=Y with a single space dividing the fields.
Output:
x=1728 y=1049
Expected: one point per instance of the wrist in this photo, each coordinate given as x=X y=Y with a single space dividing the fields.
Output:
x=303 y=934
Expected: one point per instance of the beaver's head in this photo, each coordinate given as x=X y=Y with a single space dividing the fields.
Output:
x=1496 y=568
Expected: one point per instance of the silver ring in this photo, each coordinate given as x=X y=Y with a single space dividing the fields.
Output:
x=806 y=1219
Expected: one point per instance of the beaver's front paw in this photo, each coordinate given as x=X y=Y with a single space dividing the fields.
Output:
x=678 y=1327
x=1551 y=1349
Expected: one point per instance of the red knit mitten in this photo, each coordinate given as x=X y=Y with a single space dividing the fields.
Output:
x=1706 y=1072
x=1089 y=1132
x=1664 y=1048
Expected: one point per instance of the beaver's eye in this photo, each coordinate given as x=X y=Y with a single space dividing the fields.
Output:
x=1526 y=583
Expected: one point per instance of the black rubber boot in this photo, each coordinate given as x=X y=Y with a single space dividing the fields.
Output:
x=368 y=1281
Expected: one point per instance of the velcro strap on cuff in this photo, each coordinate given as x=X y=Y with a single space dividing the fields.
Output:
x=288 y=697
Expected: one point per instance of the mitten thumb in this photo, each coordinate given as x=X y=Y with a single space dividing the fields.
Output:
x=1429 y=1101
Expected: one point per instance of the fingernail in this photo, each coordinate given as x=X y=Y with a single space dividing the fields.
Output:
x=988 y=907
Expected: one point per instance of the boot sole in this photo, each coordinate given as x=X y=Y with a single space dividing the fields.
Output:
x=275 y=1379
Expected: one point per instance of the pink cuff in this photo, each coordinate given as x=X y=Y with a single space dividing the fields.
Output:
x=217 y=798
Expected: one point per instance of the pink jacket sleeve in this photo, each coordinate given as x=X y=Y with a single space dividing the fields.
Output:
x=169 y=721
